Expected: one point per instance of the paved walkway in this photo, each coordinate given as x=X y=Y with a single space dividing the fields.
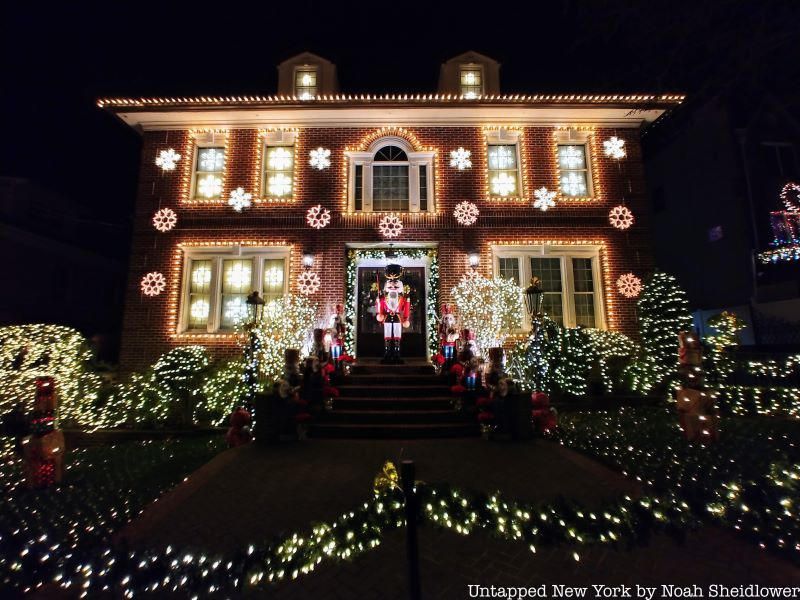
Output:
x=252 y=494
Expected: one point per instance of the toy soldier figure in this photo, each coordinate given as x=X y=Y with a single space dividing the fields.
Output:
x=393 y=311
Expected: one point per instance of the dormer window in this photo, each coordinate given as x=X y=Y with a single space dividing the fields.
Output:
x=391 y=177
x=471 y=81
x=305 y=83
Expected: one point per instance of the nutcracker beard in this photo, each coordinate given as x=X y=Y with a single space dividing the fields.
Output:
x=393 y=312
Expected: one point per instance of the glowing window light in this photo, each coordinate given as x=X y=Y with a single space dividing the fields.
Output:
x=571 y=157
x=273 y=277
x=211 y=159
x=279 y=171
x=574 y=184
x=305 y=83
x=471 y=82
x=503 y=184
x=210 y=186
x=574 y=170
x=238 y=274
x=201 y=273
x=280 y=185
x=199 y=310
x=279 y=158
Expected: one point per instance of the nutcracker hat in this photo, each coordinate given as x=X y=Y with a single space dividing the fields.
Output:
x=393 y=271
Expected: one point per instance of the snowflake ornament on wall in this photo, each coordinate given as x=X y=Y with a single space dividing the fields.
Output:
x=240 y=199
x=165 y=219
x=544 y=199
x=614 y=147
x=620 y=217
x=153 y=284
x=390 y=226
x=460 y=159
x=790 y=196
x=320 y=158
x=629 y=285
x=318 y=217
x=167 y=159
x=308 y=283
x=466 y=213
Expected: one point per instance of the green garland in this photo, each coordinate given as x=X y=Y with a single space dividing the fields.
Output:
x=354 y=256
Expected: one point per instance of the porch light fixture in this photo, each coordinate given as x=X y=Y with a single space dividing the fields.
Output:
x=308 y=260
x=534 y=298
x=474 y=260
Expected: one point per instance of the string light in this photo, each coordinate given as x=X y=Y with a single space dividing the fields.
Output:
x=489 y=307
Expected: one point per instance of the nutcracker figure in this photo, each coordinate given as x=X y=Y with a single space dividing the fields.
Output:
x=394 y=312
x=337 y=334
x=448 y=335
x=43 y=450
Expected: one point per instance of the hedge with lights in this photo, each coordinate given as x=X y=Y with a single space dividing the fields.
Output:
x=663 y=312
x=562 y=360
x=489 y=307
x=432 y=295
x=31 y=351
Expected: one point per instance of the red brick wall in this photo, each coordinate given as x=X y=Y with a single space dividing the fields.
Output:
x=147 y=330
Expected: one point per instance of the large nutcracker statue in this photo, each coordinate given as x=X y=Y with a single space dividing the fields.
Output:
x=394 y=310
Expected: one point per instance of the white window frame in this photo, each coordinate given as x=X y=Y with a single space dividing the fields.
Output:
x=565 y=254
x=273 y=139
x=366 y=161
x=306 y=68
x=574 y=137
x=209 y=140
x=504 y=137
x=472 y=67
x=217 y=255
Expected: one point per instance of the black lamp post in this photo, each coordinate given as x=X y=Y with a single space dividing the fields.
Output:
x=534 y=298
x=255 y=312
x=255 y=307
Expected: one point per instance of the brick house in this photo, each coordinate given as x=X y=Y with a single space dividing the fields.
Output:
x=396 y=156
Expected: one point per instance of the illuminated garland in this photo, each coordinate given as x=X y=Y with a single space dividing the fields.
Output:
x=489 y=307
x=31 y=351
x=432 y=286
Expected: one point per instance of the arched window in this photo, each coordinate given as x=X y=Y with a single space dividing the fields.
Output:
x=391 y=177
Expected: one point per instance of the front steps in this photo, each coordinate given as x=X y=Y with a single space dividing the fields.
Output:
x=393 y=401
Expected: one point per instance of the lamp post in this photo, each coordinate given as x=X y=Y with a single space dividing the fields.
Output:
x=255 y=312
x=534 y=299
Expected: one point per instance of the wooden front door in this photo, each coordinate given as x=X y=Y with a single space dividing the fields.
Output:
x=369 y=333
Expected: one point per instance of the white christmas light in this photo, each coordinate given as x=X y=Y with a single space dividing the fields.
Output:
x=167 y=159
x=614 y=147
x=318 y=217
x=573 y=184
x=790 y=196
x=280 y=159
x=544 y=199
x=210 y=186
x=320 y=158
x=165 y=219
x=504 y=184
x=280 y=185
x=390 y=226
x=212 y=159
x=240 y=199
x=199 y=309
x=308 y=283
x=571 y=157
x=620 y=217
x=153 y=284
x=629 y=285
x=466 y=213
x=460 y=159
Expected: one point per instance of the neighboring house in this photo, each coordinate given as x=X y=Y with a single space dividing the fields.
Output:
x=60 y=269
x=716 y=169
x=392 y=156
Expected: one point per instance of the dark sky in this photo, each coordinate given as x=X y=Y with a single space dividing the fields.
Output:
x=58 y=58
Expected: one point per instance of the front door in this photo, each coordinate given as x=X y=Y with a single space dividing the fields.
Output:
x=369 y=332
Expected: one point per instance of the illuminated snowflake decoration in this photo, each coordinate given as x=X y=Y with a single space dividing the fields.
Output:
x=280 y=185
x=320 y=158
x=544 y=199
x=629 y=285
x=620 y=217
x=240 y=199
x=466 y=213
x=504 y=184
x=614 y=147
x=573 y=184
x=210 y=186
x=460 y=159
x=318 y=217
x=790 y=196
x=390 y=226
x=165 y=219
x=153 y=284
x=308 y=283
x=167 y=159
x=212 y=159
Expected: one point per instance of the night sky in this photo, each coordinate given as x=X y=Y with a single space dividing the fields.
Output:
x=57 y=59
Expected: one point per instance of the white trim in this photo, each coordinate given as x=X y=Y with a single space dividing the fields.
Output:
x=216 y=255
x=465 y=115
x=565 y=254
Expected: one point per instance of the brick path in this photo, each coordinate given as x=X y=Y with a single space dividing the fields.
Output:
x=251 y=494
